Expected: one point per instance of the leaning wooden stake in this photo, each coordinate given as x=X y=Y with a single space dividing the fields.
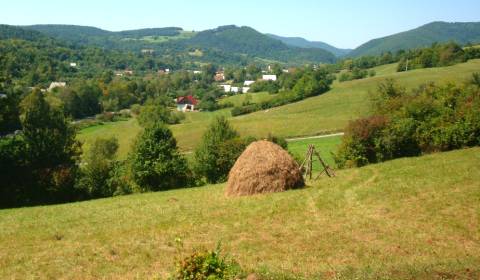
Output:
x=308 y=163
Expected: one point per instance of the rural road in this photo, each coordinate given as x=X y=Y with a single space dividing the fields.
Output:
x=296 y=139
x=314 y=137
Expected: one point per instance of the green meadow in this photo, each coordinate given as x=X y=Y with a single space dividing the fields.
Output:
x=322 y=114
x=411 y=218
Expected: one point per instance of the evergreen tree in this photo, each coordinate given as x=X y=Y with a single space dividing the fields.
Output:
x=156 y=163
x=209 y=155
x=51 y=150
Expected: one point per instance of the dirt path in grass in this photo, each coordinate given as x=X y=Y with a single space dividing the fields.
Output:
x=314 y=137
x=295 y=139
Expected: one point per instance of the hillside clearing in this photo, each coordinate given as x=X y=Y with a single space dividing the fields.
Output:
x=408 y=218
x=322 y=114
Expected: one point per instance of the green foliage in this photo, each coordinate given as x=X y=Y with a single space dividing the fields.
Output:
x=49 y=137
x=304 y=83
x=207 y=265
x=428 y=119
x=98 y=165
x=245 y=40
x=208 y=103
x=80 y=100
x=278 y=140
x=268 y=86
x=152 y=114
x=436 y=56
x=355 y=74
x=14 y=181
x=441 y=32
x=9 y=110
x=218 y=151
x=42 y=160
x=156 y=163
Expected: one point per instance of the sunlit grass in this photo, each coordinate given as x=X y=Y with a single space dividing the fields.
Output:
x=413 y=218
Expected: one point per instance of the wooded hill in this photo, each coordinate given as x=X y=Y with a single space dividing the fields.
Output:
x=226 y=44
x=423 y=36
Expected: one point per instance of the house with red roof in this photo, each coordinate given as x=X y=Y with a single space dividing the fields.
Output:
x=186 y=103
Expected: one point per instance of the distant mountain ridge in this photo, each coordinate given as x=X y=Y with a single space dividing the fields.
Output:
x=460 y=32
x=246 y=40
x=304 y=43
x=229 y=40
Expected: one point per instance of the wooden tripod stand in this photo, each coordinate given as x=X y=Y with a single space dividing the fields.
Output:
x=308 y=163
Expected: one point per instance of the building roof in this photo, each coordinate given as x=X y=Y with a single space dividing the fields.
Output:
x=187 y=100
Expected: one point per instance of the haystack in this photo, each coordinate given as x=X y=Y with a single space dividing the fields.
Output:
x=263 y=167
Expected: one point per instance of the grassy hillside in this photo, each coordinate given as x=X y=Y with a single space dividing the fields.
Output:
x=317 y=115
x=124 y=131
x=461 y=32
x=325 y=113
x=324 y=146
x=413 y=218
x=238 y=99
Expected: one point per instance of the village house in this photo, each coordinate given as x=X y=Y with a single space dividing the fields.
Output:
x=226 y=88
x=56 y=84
x=148 y=51
x=245 y=89
x=269 y=77
x=219 y=76
x=235 y=89
x=247 y=83
x=186 y=103
x=73 y=64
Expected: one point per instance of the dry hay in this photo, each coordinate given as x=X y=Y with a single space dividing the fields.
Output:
x=264 y=167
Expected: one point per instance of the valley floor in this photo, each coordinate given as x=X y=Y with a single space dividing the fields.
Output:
x=405 y=219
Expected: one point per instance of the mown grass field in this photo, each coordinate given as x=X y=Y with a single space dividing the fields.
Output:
x=124 y=131
x=329 y=112
x=324 y=146
x=413 y=218
x=238 y=99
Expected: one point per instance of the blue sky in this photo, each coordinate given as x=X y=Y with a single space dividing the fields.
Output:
x=343 y=23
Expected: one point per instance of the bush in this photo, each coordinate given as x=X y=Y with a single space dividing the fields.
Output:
x=151 y=114
x=97 y=169
x=218 y=151
x=278 y=140
x=428 y=119
x=208 y=265
x=105 y=117
x=359 y=145
x=156 y=163
x=119 y=180
x=268 y=86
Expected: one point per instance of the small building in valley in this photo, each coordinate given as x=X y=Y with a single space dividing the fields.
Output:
x=186 y=103
x=56 y=85
x=248 y=83
x=219 y=76
x=235 y=89
x=269 y=77
x=226 y=88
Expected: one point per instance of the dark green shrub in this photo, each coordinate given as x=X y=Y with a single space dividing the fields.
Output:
x=119 y=180
x=278 y=140
x=218 y=151
x=359 y=142
x=151 y=114
x=428 y=119
x=156 y=163
x=97 y=167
